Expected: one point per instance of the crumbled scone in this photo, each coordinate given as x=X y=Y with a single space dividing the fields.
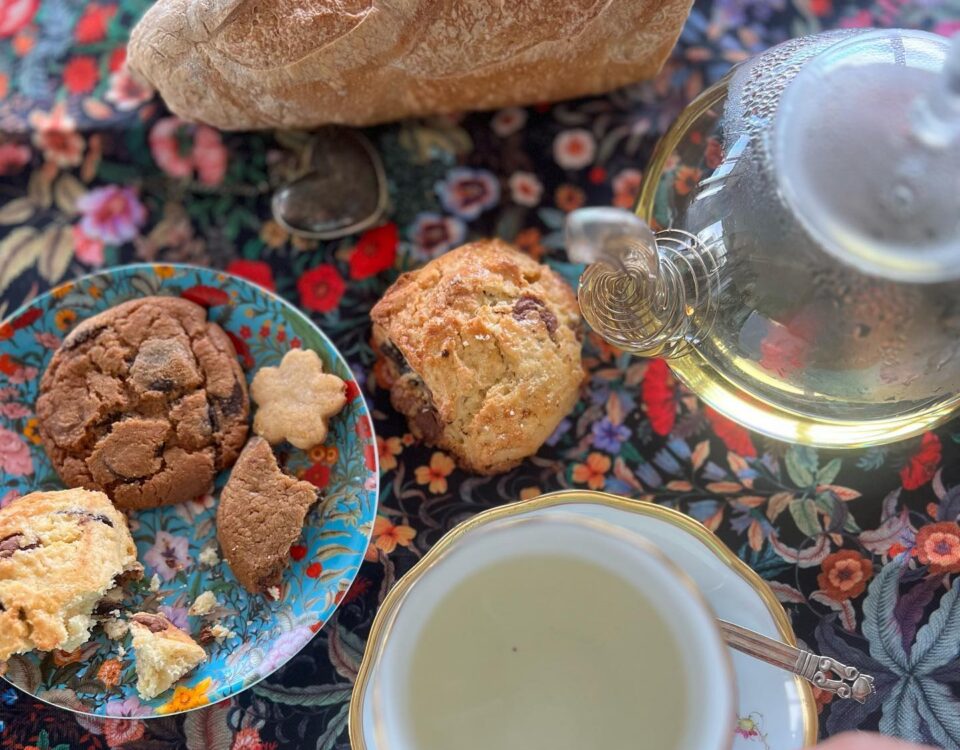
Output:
x=164 y=653
x=481 y=350
x=115 y=628
x=208 y=556
x=221 y=633
x=155 y=583
x=295 y=400
x=60 y=553
x=203 y=604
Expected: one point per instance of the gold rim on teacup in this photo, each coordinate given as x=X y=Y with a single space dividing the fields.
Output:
x=385 y=617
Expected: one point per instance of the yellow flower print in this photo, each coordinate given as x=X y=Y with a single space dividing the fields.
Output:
x=164 y=272
x=435 y=475
x=185 y=698
x=65 y=318
x=62 y=291
x=528 y=493
x=388 y=449
x=273 y=234
x=30 y=431
x=387 y=535
x=94 y=291
x=593 y=472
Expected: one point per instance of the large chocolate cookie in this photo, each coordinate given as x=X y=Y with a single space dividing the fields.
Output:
x=145 y=401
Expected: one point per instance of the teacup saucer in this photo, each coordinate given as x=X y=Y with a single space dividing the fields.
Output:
x=776 y=710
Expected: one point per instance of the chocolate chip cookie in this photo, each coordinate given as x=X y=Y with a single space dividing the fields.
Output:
x=145 y=401
x=261 y=514
x=482 y=350
x=60 y=553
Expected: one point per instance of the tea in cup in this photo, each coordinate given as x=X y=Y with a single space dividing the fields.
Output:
x=552 y=631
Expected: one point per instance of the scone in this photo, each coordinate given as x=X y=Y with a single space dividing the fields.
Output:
x=164 y=653
x=260 y=516
x=295 y=400
x=60 y=553
x=145 y=401
x=482 y=348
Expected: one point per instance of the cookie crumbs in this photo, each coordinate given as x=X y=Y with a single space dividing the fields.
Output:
x=209 y=557
x=115 y=628
x=155 y=583
x=203 y=604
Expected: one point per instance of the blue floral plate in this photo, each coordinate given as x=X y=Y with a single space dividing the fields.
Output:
x=99 y=677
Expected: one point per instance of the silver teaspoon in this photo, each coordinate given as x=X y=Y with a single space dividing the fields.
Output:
x=847 y=682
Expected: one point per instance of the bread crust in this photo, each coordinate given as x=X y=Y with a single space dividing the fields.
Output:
x=240 y=64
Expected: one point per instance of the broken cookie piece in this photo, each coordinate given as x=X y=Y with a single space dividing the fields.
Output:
x=164 y=653
x=260 y=516
x=295 y=400
x=60 y=555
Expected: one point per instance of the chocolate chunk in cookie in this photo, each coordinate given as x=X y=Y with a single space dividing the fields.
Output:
x=261 y=514
x=146 y=402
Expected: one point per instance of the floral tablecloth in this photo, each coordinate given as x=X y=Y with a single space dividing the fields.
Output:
x=862 y=548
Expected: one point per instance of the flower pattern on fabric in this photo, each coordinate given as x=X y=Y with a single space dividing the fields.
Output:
x=863 y=547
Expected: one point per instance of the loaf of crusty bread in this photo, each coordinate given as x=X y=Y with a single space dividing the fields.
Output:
x=240 y=64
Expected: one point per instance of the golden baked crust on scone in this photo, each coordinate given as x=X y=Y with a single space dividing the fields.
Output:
x=482 y=348
x=60 y=552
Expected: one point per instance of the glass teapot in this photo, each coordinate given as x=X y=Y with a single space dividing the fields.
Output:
x=807 y=283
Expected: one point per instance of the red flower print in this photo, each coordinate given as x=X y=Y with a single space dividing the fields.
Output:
x=626 y=188
x=80 y=75
x=713 y=156
x=360 y=587
x=298 y=552
x=597 y=175
x=22 y=321
x=92 y=25
x=938 y=545
x=206 y=296
x=243 y=350
x=318 y=475
x=844 y=575
x=687 y=179
x=7 y=365
x=821 y=7
x=659 y=397
x=735 y=437
x=321 y=288
x=15 y=14
x=13 y=157
x=352 y=390
x=370 y=456
x=314 y=570
x=117 y=58
x=376 y=251
x=923 y=464
x=253 y=270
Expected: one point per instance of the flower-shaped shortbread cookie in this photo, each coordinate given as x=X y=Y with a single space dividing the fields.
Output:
x=295 y=400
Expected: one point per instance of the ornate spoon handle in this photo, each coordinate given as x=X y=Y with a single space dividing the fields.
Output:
x=847 y=681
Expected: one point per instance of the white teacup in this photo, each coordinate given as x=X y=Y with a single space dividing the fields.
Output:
x=549 y=632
